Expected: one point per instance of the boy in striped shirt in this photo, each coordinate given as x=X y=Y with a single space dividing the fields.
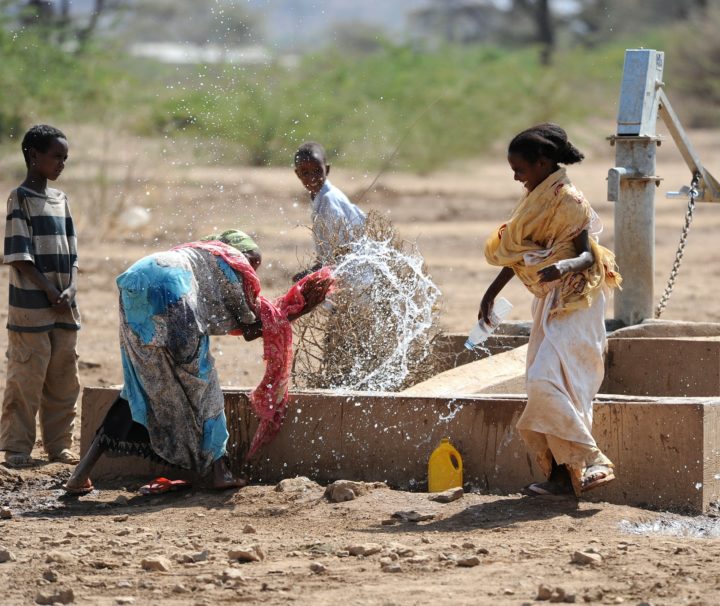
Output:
x=43 y=318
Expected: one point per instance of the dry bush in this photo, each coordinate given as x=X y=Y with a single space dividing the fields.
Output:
x=378 y=334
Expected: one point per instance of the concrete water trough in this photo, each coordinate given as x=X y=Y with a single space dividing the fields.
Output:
x=657 y=418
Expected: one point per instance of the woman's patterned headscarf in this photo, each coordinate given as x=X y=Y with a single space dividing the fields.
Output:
x=235 y=238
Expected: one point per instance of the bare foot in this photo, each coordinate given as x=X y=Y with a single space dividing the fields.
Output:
x=78 y=487
x=223 y=478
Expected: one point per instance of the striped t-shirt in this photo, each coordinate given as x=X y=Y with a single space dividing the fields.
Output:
x=39 y=229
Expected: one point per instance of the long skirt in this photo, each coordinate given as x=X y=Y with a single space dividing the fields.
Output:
x=565 y=369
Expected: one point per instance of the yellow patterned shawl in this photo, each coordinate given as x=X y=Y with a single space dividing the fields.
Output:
x=540 y=232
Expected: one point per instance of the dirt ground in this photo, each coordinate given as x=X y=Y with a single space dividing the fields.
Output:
x=95 y=545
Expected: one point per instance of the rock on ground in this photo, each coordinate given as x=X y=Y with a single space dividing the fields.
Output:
x=347 y=490
x=249 y=553
x=586 y=557
x=61 y=595
x=298 y=484
x=158 y=563
x=447 y=496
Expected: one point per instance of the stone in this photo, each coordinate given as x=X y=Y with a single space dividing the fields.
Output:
x=231 y=574
x=179 y=588
x=468 y=562
x=347 y=490
x=556 y=595
x=318 y=567
x=50 y=575
x=298 y=484
x=403 y=551
x=124 y=600
x=413 y=516
x=5 y=513
x=364 y=549
x=60 y=557
x=483 y=551
x=156 y=563
x=584 y=558
x=121 y=518
x=391 y=567
x=6 y=555
x=447 y=496
x=544 y=593
x=341 y=494
x=121 y=500
x=249 y=529
x=594 y=595
x=249 y=553
x=104 y=564
x=189 y=558
x=61 y=595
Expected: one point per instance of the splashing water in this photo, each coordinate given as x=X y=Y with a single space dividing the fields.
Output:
x=380 y=326
x=453 y=409
x=394 y=283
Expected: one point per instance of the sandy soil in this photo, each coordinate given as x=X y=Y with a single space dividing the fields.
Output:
x=96 y=544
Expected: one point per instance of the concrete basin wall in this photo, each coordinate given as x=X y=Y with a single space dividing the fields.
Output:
x=679 y=366
x=667 y=451
x=676 y=366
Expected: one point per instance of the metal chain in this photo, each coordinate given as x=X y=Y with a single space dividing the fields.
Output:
x=681 y=247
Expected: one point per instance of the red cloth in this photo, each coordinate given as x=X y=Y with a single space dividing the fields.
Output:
x=269 y=399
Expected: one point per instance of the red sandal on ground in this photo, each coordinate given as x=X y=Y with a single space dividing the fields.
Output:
x=161 y=485
x=596 y=476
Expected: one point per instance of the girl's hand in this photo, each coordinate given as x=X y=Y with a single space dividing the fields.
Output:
x=553 y=272
x=486 y=306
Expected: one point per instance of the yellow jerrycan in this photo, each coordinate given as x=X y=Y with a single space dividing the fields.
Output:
x=444 y=468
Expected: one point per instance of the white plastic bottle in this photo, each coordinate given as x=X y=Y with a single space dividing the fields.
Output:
x=482 y=330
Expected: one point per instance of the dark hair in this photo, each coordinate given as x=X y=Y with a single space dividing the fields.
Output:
x=545 y=140
x=311 y=151
x=39 y=137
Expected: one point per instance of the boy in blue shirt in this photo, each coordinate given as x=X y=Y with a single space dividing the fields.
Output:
x=335 y=220
x=43 y=319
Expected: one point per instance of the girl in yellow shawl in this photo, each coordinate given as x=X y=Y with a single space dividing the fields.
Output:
x=550 y=243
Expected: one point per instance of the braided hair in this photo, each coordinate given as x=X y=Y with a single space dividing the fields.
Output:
x=548 y=141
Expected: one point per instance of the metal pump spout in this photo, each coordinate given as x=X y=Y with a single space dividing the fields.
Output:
x=615 y=175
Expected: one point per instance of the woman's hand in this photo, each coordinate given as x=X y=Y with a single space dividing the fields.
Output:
x=314 y=293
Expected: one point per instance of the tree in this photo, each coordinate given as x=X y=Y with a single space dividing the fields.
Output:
x=58 y=24
x=599 y=20
x=541 y=14
x=222 y=22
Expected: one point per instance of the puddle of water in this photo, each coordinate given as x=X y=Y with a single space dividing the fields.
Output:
x=699 y=527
